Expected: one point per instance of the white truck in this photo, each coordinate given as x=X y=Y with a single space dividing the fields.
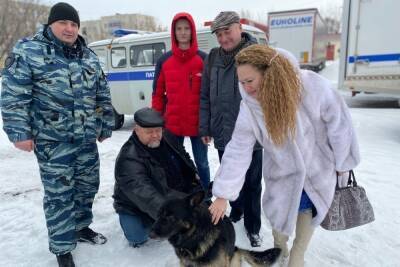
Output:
x=129 y=64
x=370 y=46
x=302 y=32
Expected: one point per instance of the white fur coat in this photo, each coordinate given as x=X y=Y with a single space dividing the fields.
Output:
x=325 y=142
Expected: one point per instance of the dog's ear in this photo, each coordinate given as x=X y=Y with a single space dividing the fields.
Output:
x=196 y=198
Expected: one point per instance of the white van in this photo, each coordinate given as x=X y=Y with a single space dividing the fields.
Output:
x=370 y=49
x=129 y=64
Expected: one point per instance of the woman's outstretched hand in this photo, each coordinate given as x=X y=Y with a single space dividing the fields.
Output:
x=218 y=209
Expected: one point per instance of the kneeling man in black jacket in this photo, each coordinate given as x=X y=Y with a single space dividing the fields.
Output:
x=150 y=168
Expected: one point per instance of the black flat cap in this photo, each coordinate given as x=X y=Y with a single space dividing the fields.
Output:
x=148 y=118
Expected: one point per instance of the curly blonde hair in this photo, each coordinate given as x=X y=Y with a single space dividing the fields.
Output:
x=279 y=93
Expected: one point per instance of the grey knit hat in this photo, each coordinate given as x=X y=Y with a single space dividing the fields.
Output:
x=224 y=20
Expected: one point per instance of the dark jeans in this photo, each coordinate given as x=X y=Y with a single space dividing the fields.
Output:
x=200 y=155
x=249 y=201
x=135 y=228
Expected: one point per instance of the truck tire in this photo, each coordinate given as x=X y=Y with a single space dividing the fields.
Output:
x=118 y=120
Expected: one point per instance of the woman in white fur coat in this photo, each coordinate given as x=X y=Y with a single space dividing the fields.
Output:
x=307 y=134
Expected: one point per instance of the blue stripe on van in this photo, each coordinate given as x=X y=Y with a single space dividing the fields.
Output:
x=130 y=76
x=376 y=58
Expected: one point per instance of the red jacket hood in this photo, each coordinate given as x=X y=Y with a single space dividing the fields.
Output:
x=184 y=54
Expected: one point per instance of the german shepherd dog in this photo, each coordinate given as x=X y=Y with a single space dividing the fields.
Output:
x=186 y=223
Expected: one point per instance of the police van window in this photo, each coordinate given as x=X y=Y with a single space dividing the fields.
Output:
x=118 y=57
x=146 y=55
x=102 y=55
x=141 y=55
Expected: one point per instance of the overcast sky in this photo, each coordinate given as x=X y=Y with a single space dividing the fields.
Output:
x=202 y=10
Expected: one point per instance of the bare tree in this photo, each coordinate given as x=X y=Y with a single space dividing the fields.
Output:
x=245 y=13
x=19 y=19
x=332 y=15
x=261 y=17
x=161 y=28
x=332 y=10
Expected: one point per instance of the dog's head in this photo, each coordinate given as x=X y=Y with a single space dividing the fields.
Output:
x=176 y=216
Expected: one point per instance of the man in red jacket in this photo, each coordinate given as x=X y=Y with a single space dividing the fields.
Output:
x=176 y=89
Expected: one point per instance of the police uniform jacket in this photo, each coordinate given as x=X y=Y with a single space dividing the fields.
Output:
x=54 y=92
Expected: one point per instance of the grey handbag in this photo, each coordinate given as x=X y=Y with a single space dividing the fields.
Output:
x=350 y=207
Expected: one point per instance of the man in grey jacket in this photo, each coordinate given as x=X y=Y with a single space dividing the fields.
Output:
x=219 y=108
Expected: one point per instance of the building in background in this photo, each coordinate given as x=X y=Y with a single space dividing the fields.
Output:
x=103 y=28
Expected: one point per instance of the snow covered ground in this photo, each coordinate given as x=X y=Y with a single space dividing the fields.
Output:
x=23 y=236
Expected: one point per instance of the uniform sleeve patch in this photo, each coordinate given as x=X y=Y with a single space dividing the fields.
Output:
x=9 y=61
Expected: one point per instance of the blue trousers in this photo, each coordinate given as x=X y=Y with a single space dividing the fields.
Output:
x=249 y=201
x=70 y=177
x=135 y=228
x=200 y=154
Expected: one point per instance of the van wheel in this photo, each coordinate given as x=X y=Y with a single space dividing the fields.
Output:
x=118 y=120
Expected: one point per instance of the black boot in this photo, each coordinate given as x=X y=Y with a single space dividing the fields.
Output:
x=90 y=236
x=65 y=260
x=255 y=239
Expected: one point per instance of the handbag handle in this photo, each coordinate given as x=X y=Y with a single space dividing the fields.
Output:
x=350 y=182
